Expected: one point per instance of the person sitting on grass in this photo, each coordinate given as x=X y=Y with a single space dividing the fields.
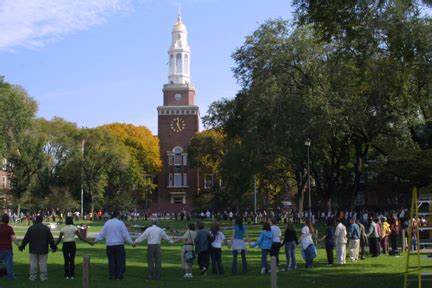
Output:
x=69 y=247
x=265 y=241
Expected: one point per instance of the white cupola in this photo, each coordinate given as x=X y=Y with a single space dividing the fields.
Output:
x=179 y=55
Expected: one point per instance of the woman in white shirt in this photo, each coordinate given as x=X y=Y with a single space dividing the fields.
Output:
x=216 y=249
x=69 y=247
x=307 y=243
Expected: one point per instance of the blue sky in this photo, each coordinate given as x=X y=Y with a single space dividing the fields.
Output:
x=95 y=62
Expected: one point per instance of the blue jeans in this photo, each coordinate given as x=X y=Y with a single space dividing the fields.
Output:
x=244 y=263
x=291 y=262
x=309 y=254
x=264 y=264
x=7 y=257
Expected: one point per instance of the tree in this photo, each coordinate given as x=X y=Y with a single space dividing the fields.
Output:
x=132 y=185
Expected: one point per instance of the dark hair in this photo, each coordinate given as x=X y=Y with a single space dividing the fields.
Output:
x=5 y=218
x=215 y=229
x=290 y=226
x=191 y=226
x=310 y=226
x=330 y=221
x=239 y=222
x=266 y=226
x=39 y=219
x=274 y=220
x=115 y=214
x=69 y=220
x=200 y=225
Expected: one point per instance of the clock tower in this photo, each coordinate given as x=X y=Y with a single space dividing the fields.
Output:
x=178 y=122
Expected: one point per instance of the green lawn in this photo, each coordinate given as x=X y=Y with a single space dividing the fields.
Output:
x=384 y=271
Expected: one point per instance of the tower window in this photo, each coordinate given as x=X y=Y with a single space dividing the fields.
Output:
x=179 y=66
x=186 y=63
x=171 y=64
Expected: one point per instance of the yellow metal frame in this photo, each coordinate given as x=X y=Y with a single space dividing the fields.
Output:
x=413 y=213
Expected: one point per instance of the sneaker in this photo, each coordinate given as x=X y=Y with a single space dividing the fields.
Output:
x=186 y=275
x=72 y=278
x=190 y=275
x=67 y=278
x=263 y=270
x=204 y=271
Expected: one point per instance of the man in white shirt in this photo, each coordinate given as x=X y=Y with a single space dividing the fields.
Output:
x=115 y=234
x=276 y=244
x=154 y=236
x=341 y=241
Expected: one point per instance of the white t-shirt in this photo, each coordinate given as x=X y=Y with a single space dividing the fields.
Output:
x=217 y=243
x=276 y=233
x=306 y=238
x=69 y=233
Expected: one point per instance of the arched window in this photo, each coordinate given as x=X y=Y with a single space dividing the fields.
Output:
x=179 y=66
x=171 y=64
x=186 y=63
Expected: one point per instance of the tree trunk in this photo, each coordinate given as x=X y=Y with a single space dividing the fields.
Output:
x=358 y=169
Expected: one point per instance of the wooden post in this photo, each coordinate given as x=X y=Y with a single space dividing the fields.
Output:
x=273 y=272
x=86 y=271
x=403 y=240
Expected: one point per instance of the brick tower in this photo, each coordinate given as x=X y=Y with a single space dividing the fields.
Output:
x=178 y=121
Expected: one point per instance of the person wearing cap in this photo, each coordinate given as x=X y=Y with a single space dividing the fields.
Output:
x=7 y=236
x=154 y=236
x=115 y=234
x=39 y=237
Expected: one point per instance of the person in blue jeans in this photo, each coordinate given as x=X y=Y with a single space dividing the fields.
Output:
x=7 y=236
x=265 y=241
x=290 y=242
x=238 y=244
x=307 y=243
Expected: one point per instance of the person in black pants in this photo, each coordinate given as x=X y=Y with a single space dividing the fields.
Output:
x=203 y=240
x=276 y=244
x=216 y=249
x=329 y=240
x=69 y=247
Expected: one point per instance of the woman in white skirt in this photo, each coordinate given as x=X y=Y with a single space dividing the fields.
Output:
x=187 y=251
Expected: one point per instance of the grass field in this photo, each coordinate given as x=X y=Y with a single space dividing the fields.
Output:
x=384 y=271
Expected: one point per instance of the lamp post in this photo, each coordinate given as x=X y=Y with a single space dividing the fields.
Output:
x=308 y=144
x=255 y=201
x=82 y=184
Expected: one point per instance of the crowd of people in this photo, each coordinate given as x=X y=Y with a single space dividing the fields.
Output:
x=346 y=231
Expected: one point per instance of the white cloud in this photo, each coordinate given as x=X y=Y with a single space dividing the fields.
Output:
x=34 y=23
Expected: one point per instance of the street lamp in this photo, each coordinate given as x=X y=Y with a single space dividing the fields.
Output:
x=82 y=184
x=308 y=144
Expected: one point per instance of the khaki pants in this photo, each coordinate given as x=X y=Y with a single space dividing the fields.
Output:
x=354 y=249
x=38 y=263
x=154 y=261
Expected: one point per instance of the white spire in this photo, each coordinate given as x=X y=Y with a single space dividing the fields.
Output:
x=179 y=54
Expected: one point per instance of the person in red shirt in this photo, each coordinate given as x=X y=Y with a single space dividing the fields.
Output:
x=7 y=236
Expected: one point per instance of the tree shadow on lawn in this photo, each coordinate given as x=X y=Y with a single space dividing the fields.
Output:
x=364 y=274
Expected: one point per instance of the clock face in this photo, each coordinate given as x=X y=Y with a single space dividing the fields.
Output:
x=178 y=96
x=177 y=124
